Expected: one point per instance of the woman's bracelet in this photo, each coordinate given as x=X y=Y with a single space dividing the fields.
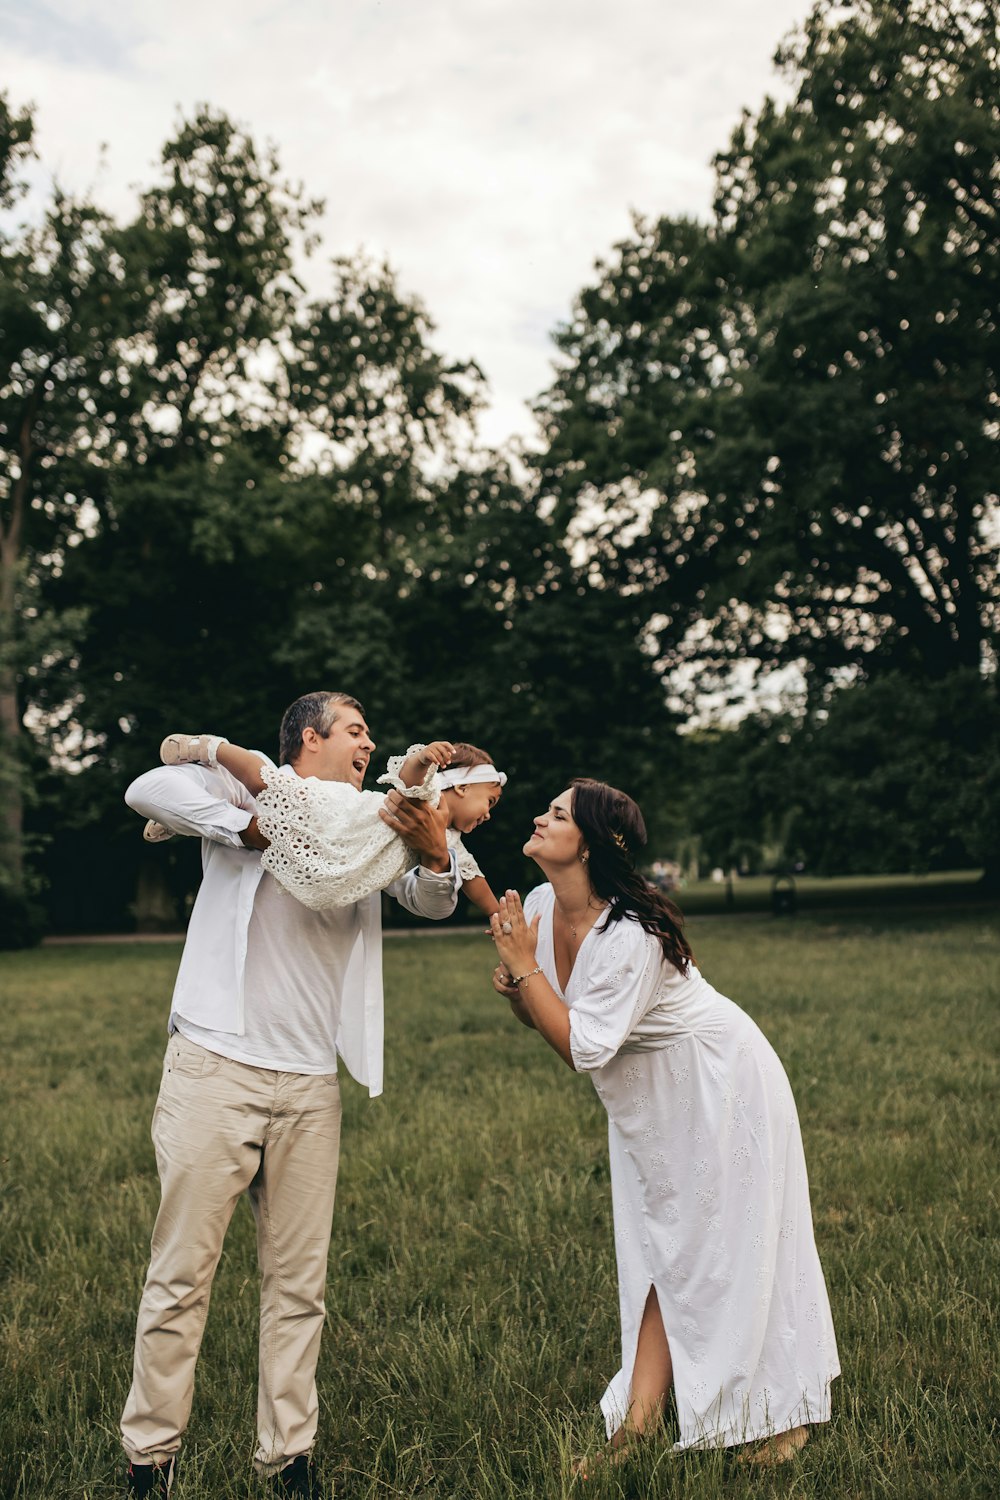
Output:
x=530 y=975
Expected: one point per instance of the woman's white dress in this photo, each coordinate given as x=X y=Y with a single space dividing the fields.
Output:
x=328 y=845
x=709 y=1189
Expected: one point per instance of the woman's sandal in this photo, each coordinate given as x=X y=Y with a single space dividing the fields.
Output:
x=776 y=1450
x=191 y=749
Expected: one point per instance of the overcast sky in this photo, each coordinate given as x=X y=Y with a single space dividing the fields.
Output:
x=490 y=150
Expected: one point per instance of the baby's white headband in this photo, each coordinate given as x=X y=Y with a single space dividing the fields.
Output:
x=463 y=775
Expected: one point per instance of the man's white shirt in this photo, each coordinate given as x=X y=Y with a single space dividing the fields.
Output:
x=343 y=947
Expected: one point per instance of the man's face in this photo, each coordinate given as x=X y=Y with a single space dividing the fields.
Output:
x=344 y=753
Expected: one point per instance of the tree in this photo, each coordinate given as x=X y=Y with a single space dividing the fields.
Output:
x=305 y=512
x=376 y=510
x=435 y=588
x=191 y=497
x=780 y=429
x=740 y=795
x=901 y=775
x=62 y=308
x=892 y=775
x=16 y=132
x=173 y=570
x=263 y=494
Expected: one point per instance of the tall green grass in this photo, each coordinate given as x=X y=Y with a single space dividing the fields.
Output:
x=472 y=1315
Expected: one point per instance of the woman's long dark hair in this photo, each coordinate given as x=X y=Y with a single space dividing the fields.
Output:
x=614 y=832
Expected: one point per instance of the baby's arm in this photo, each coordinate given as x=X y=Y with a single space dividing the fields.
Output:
x=414 y=767
x=243 y=764
x=479 y=893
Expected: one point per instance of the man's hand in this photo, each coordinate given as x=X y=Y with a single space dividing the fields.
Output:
x=421 y=826
x=252 y=838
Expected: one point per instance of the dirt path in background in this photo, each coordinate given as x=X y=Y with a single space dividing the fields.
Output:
x=63 y=941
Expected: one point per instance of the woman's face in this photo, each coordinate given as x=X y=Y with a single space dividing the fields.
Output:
x=556 y=839
x=472 y=804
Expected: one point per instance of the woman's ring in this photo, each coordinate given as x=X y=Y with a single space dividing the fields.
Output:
x=506 y=929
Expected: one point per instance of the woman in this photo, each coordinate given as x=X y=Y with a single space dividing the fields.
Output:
x=721 y=1290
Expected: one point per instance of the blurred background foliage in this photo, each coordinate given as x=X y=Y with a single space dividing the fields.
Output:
x=767 y=459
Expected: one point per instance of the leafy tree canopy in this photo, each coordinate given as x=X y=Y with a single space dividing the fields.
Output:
x=258 y=493
x=779 y=429
x=897 y=774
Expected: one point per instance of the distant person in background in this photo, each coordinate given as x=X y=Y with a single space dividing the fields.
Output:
x=721 y=1292
x=268 y=993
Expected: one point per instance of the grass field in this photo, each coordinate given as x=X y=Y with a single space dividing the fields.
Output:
x=472 y=1311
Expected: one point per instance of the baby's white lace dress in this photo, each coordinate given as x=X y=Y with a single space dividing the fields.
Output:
x=328 y=845
x=467 y=867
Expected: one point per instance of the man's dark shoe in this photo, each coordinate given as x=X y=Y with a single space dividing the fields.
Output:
x=150 y=1480
x=299 y=1478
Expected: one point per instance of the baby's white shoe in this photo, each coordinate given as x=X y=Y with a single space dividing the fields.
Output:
x=191 y=749
x=155 y=833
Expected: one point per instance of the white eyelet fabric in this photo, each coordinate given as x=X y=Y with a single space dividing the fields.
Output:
x=328 y=845
x=467 y=867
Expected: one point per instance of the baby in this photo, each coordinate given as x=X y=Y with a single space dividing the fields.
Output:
x=327 y=844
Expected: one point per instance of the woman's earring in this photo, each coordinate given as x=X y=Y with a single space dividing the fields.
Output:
x=584 y=856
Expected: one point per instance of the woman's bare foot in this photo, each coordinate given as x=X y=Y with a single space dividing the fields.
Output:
x=620 y=1447
x=776 y=1450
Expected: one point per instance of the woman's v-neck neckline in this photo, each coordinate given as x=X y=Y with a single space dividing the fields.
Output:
x=564 y=988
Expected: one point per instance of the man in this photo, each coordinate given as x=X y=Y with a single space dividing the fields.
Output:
x=267 y=993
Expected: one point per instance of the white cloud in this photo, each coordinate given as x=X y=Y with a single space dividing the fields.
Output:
x=491 y=150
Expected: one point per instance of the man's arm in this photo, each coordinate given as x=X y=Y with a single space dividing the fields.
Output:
x=197 y=801
x=431 y=890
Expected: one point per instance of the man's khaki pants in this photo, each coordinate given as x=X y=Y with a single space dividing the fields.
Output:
x=221 y=1128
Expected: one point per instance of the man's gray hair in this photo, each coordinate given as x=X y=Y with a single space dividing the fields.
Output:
x=312 y=711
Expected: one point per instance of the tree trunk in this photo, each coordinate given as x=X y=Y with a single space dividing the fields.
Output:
x=12 y=834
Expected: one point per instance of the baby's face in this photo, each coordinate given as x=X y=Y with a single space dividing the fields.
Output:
x=472 y=804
